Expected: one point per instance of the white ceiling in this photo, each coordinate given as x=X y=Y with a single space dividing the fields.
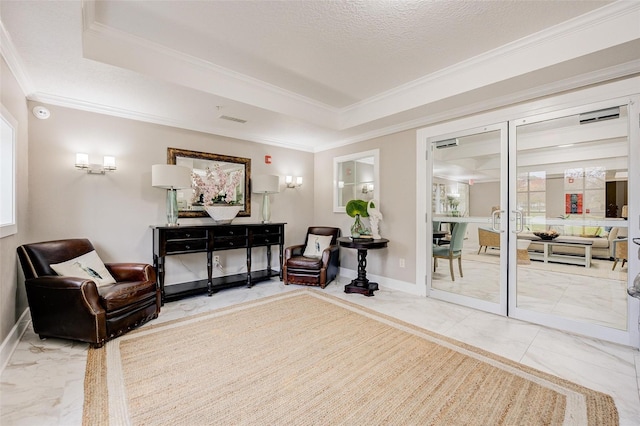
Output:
x=312 y=75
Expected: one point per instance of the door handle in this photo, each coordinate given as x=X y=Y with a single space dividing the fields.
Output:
x=494 y=219
x=520 y=224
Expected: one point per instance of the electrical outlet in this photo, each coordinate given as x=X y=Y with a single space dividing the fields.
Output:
x=401 y=263
x=216 y=259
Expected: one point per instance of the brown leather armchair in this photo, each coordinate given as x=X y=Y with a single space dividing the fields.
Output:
x=76 y=308
x=298 y=269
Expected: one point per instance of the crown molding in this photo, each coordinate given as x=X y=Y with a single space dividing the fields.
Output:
x=491 y=66
x=14 y=62
x=161 y=120
x=602 y=76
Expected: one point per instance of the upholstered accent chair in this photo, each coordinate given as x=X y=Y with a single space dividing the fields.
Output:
x=453 y=250
x=488 y=238
x=620 y=250
x=87 y=309
x=316 y=261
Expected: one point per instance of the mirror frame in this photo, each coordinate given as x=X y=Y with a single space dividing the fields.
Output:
x=375 y=153
x=174 y=153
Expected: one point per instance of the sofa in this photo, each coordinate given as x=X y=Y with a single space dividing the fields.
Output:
x=602 y=245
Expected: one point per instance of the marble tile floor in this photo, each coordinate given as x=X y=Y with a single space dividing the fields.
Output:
x=596 y=295
x=43 y=381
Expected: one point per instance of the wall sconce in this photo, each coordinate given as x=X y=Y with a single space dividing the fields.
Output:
x=367 y=187
x=108 y=164
x=290 y=183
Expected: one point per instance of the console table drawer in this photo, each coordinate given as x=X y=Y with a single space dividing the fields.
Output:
x=230 y=231
x=268 y=230
x=181 y=246
x=259 y=240
x=183 y=234
x=229 y=242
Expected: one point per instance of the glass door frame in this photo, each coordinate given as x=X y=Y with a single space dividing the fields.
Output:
x=626 y=337
x=484 y=305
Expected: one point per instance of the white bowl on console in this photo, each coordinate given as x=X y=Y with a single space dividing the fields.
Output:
x=223 y=214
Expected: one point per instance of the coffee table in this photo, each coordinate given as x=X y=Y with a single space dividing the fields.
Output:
x=549 y=256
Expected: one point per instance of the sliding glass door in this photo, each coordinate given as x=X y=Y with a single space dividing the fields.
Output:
x=468 y=195
x=569 y=195
x=533 y=218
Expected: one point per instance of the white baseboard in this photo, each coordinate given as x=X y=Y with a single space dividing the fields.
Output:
x=387 y=283
x=11 y=342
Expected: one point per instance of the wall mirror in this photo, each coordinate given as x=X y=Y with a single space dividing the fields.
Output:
x=215 y=179
x=355 y=176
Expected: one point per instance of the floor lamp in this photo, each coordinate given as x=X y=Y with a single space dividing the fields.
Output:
x=265 y=185
x=171 y=178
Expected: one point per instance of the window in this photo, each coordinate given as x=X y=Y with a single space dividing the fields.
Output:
x=532 y=187
x=8 y=127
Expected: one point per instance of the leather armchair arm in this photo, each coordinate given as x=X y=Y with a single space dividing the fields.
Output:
x=292 y=251
x=67 y=307
x=131 y=271
x=328 y=253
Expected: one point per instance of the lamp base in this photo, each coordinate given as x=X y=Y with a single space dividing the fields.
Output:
x=266 y=208
x=172 y=207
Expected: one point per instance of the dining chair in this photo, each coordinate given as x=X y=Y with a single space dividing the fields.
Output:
x=453 y=250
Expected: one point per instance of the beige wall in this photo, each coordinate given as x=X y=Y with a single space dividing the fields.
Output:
x=483 y=196
x=115 y=210
x=397 y=204
x=12 y=297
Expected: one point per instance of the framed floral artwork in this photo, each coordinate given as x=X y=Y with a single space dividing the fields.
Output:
x=216 y=180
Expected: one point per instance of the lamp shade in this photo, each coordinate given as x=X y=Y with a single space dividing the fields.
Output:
x=170 y=176
x=625 y=212
x=269 y=184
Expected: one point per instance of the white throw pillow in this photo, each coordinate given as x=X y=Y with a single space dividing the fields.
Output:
x=316 y=244
x=89 y=266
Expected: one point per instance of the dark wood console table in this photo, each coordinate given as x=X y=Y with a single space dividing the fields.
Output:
x=173 y=240
x=362 y=285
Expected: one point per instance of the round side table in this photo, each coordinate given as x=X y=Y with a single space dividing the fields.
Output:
x=361 y=284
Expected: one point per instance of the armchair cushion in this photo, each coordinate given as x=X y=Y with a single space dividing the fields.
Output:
x=88 y=265
x=316 y=244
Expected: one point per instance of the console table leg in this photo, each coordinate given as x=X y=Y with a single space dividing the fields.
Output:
x=249 y=283
x=209 y=273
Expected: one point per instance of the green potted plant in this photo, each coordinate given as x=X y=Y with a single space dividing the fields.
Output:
x=358 y=209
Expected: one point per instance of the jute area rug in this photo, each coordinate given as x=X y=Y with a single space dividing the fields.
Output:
x=306 y=358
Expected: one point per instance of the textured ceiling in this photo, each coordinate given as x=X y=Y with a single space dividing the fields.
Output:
x=304 y=74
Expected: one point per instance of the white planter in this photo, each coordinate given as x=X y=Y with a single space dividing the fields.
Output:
x=223 y=214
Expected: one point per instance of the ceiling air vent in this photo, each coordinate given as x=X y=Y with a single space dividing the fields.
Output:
x=448 y=143
x=237 y=120
x=600 y=115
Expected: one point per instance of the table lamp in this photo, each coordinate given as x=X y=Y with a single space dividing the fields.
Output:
x=265 y=185
x=171 y=178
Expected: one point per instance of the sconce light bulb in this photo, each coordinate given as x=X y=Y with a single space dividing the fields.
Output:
x=82 y=160
x=109 y=163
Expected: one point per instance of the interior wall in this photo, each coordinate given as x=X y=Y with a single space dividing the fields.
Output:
x=555 y=197
x=115 y=210
x=482 y=197
x=397 y=204
x=13 y=297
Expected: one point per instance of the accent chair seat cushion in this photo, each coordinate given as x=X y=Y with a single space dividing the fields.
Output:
x=305 y=262
x=122 y=294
